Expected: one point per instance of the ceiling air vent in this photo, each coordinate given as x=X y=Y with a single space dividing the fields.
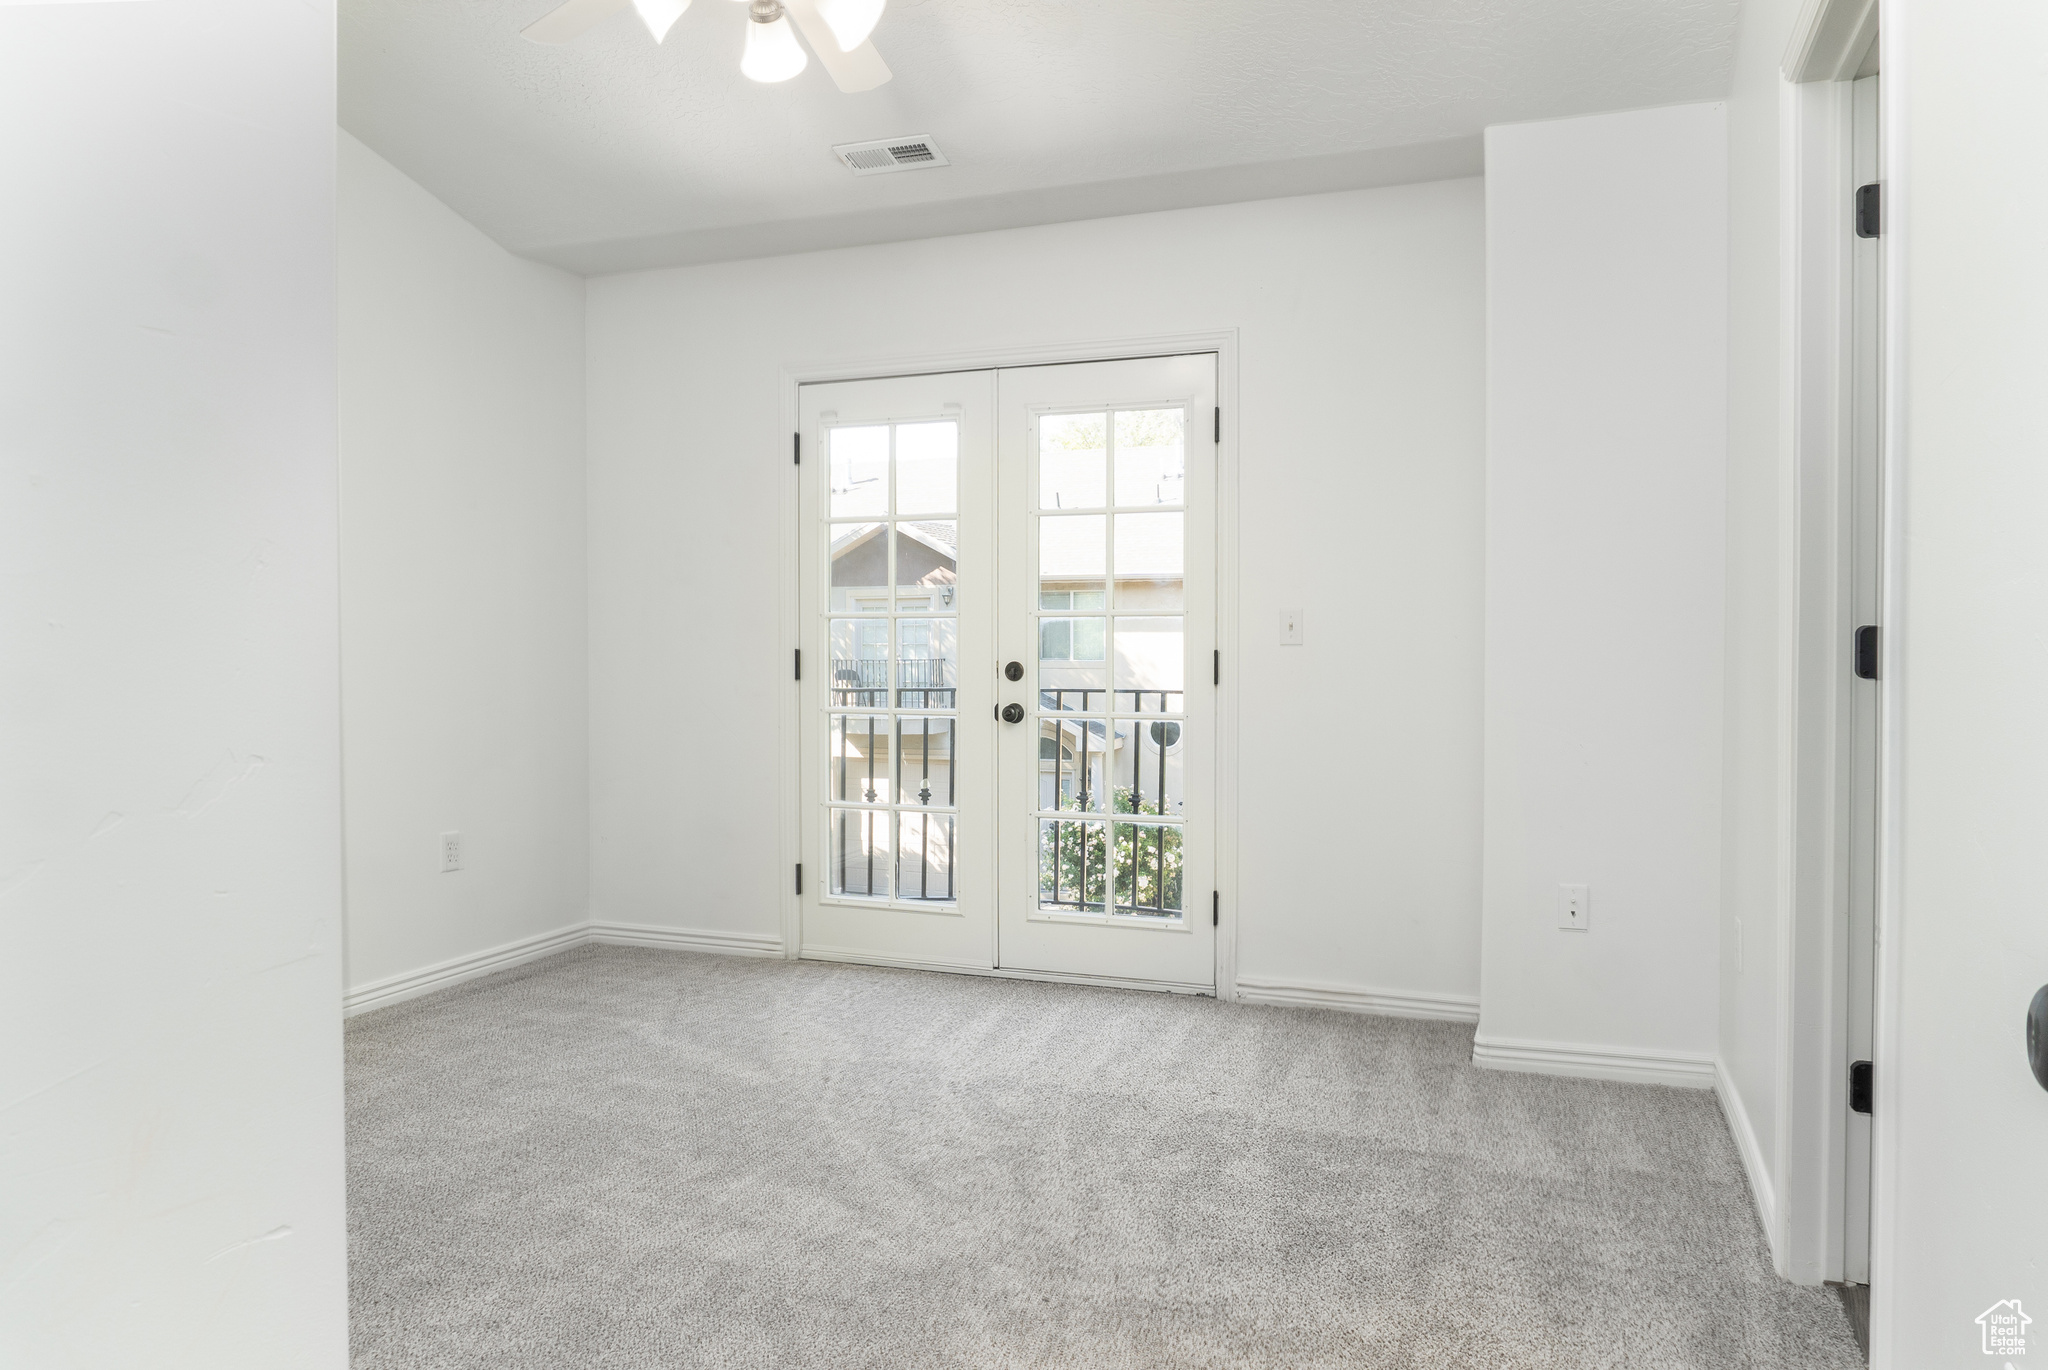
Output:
x=890 y=154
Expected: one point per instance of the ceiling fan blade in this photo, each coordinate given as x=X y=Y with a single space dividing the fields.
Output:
x=660 y=15
x=570 y=21
x=853 y=72
x=851 y=20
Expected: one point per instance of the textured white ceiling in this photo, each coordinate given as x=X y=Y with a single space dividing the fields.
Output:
x=615 y=153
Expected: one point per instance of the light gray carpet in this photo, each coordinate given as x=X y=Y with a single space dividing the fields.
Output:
x=624 y=1158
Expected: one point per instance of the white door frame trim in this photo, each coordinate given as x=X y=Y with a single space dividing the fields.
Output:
x=1828 y=38
x=1894 y=172
x=1806 y=1228
x=1224 y=343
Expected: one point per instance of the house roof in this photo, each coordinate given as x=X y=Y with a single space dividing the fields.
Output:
x=931 y=535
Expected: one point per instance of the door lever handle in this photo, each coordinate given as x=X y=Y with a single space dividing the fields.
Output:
x=1013 y=713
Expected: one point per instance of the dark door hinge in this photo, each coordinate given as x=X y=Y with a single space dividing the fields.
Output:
x=1215 y=908
x=799 y=877
x=1218 y=680
x=1868 y=640
x=797 y=452
x=1219 y=423
x=799 y=663
x=1859 y=1086
x=1869 y=210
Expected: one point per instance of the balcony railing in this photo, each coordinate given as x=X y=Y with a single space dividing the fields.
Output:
x=1062 y=699
x=921 y=682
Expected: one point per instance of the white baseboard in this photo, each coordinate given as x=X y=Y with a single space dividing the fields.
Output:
x=685 y=939
x=855 y=957
x=413 y=983
x=398 y=988
x=1388 y=1003
x=1752 y=1155
x=1632 y=1064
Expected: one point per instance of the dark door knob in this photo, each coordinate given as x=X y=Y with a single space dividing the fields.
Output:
x=2037 y=1035
x=1014 y=671
x=1013 y=713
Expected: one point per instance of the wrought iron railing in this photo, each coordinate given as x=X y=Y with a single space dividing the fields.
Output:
x=1169 y=700
x=865 y=771
x=921 y=682
x=1060 y=707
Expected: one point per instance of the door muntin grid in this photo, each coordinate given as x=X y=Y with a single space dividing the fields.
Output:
x=892 y=679
x=1110 y=625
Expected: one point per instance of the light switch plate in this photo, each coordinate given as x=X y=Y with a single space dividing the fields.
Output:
x=1574 y=907
x=1290 y=627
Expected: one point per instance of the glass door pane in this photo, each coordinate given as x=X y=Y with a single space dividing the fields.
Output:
x=897 y=568
x=1103 y=674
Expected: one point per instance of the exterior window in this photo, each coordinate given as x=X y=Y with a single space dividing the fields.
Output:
x=1070 y=639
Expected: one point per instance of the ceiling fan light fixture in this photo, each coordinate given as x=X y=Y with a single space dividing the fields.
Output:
x=773 y=53
x=660 y=15
x=851 y=21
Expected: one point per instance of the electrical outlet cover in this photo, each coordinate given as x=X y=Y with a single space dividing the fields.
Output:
x=1574 y=907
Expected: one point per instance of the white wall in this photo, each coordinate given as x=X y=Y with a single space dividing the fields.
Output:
x=462 y=592
x=1604 y=483
x=1754 y=849
x=1962 y=1128
x=170 y=866
x=1359 y=414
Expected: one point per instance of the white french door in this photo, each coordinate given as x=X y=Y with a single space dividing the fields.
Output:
x=896 y=737
x=1106 y=498
x=1007 y=648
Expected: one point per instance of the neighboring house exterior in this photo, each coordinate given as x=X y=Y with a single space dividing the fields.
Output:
x=1078 y=761
x=895 y=674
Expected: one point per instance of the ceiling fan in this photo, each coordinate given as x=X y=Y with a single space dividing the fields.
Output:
x=837 y=31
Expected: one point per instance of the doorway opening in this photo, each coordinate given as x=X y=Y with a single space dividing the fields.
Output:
x=1863 y=565
x=1007 y=740
x=1835 y=688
